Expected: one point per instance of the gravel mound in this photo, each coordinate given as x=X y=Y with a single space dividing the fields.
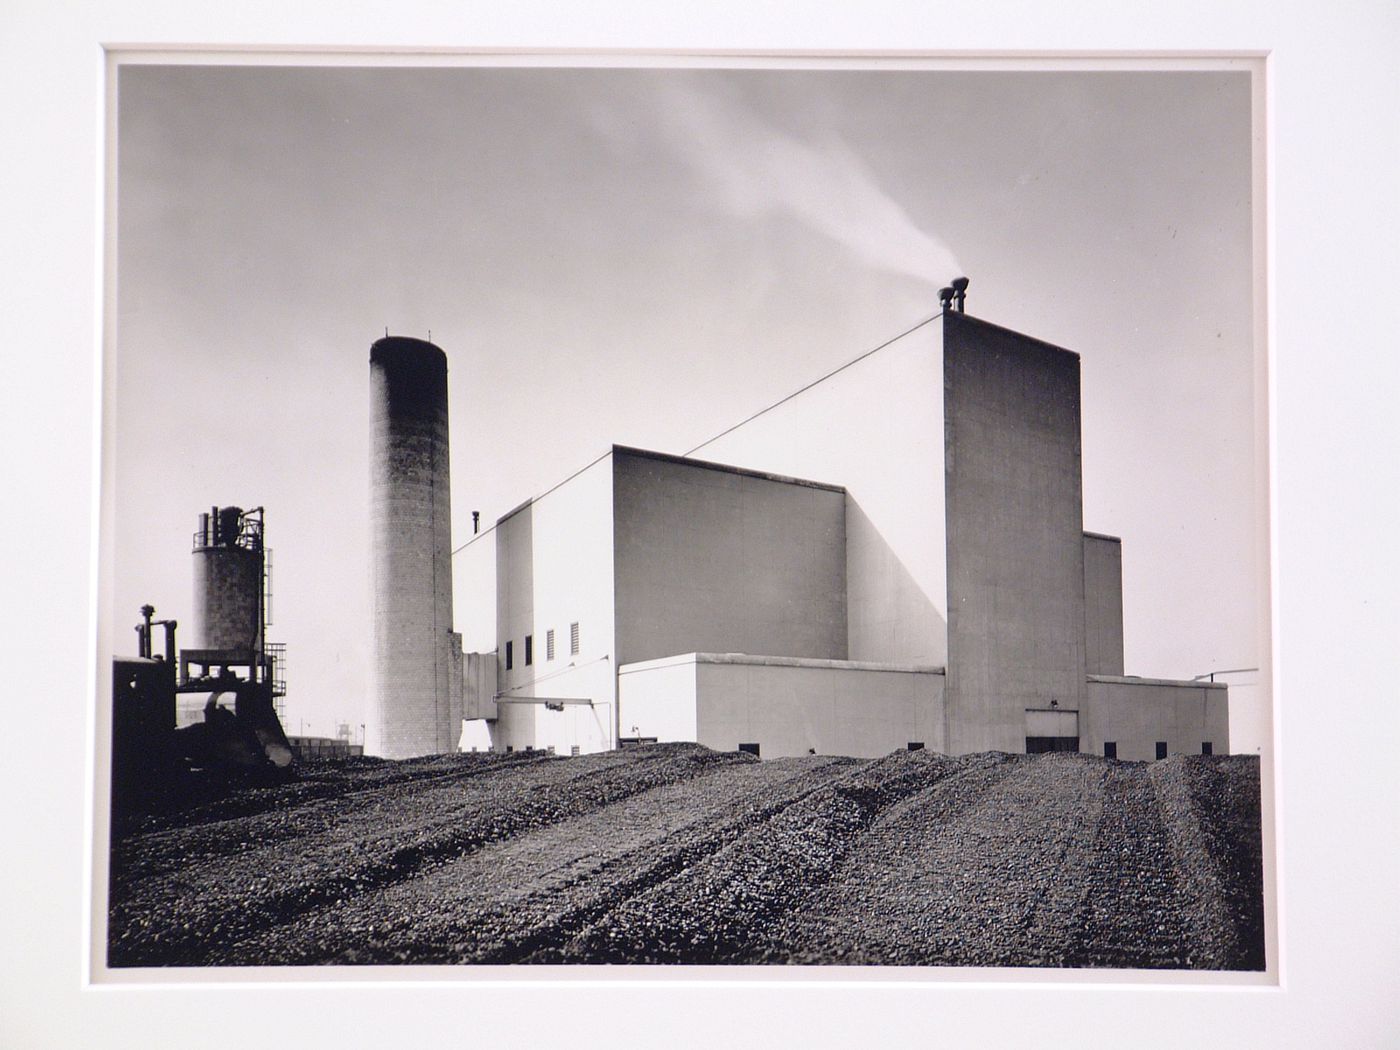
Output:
x=677 y=854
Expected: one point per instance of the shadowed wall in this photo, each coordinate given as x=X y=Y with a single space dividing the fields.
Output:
x=1015 y=535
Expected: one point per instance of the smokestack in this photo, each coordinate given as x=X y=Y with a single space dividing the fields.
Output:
x=411 y=710
x=960 y=293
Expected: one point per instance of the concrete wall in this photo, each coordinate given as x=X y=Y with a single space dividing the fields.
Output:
x=875 y=428
x=657 y=698
x=553 y=569
x=1137 y=712
x=1052 y=722
x=479 y=685
x=474 y=589
x=413 y=709
x=1103 y=604
x=786 y=706
x=1015 y=547
x=890 y=617
x=712 y=559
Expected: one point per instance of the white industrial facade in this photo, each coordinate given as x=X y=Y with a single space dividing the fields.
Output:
x=745 y=606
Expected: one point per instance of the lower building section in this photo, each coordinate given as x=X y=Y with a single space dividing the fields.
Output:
x=782 y=706
x=777 y=707
x=1141 y=719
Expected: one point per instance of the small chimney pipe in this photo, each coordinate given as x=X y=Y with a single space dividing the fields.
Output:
x=960 y=294
x=147 y=611
x=169 y=641
x=476 y=522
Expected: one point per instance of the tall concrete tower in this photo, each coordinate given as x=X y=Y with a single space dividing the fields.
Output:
x=414 y=709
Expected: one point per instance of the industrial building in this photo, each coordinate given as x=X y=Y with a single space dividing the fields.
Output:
x=932 y=586
x=214 y=706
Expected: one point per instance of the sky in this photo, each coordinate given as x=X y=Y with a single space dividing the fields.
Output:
x=602 y=251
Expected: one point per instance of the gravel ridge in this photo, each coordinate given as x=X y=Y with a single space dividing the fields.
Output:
x=677 y=854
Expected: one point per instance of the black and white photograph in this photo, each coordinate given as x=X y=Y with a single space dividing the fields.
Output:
x=729 y=525
x=804 y=514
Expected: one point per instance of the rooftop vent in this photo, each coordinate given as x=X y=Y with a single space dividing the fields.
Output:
x=954 y=297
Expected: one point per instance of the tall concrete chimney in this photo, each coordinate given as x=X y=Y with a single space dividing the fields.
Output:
x=413 y=709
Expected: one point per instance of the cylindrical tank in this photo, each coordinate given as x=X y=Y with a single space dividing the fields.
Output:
x=228 y=584
x=411 y=709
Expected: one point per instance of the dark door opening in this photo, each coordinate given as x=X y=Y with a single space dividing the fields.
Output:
x=1110 y=749
x=1161 y=749
x=1039 y=745
x=751 y=749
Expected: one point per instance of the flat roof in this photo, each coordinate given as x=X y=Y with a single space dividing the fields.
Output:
x=966 y=317
x=705 y=464
x=1118 y=679
x=1103 y=536
x=751 y=660
x=667 y=457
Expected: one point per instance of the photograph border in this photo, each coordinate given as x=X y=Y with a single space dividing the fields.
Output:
x=1336 y=869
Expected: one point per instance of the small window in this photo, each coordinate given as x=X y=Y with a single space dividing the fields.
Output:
x=751 y=749
x=573 y=639
x=510 y=655
x=916 y=745
x=1110 y=749
x=573 y=749
x=1207 y=748
x=509 y=749
x=1161 y=749
x=549 y=644
x=529 y=649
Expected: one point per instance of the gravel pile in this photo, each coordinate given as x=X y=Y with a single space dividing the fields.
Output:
x=210 y=798
x=975 y=870
x=521 y=898
x=723 y=908
x=676 y=854
x=266 y=870
x=1132 y=913
x=1210 y=807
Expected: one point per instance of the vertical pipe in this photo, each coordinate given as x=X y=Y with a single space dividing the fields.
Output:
x=147 y=611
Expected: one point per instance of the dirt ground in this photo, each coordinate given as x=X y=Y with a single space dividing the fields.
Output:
x=676 y=854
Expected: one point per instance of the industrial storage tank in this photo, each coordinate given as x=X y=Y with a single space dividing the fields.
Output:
x=413 y=710
x=228 y=581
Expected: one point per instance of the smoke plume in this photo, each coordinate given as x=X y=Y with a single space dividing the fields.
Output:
x=759 y=170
